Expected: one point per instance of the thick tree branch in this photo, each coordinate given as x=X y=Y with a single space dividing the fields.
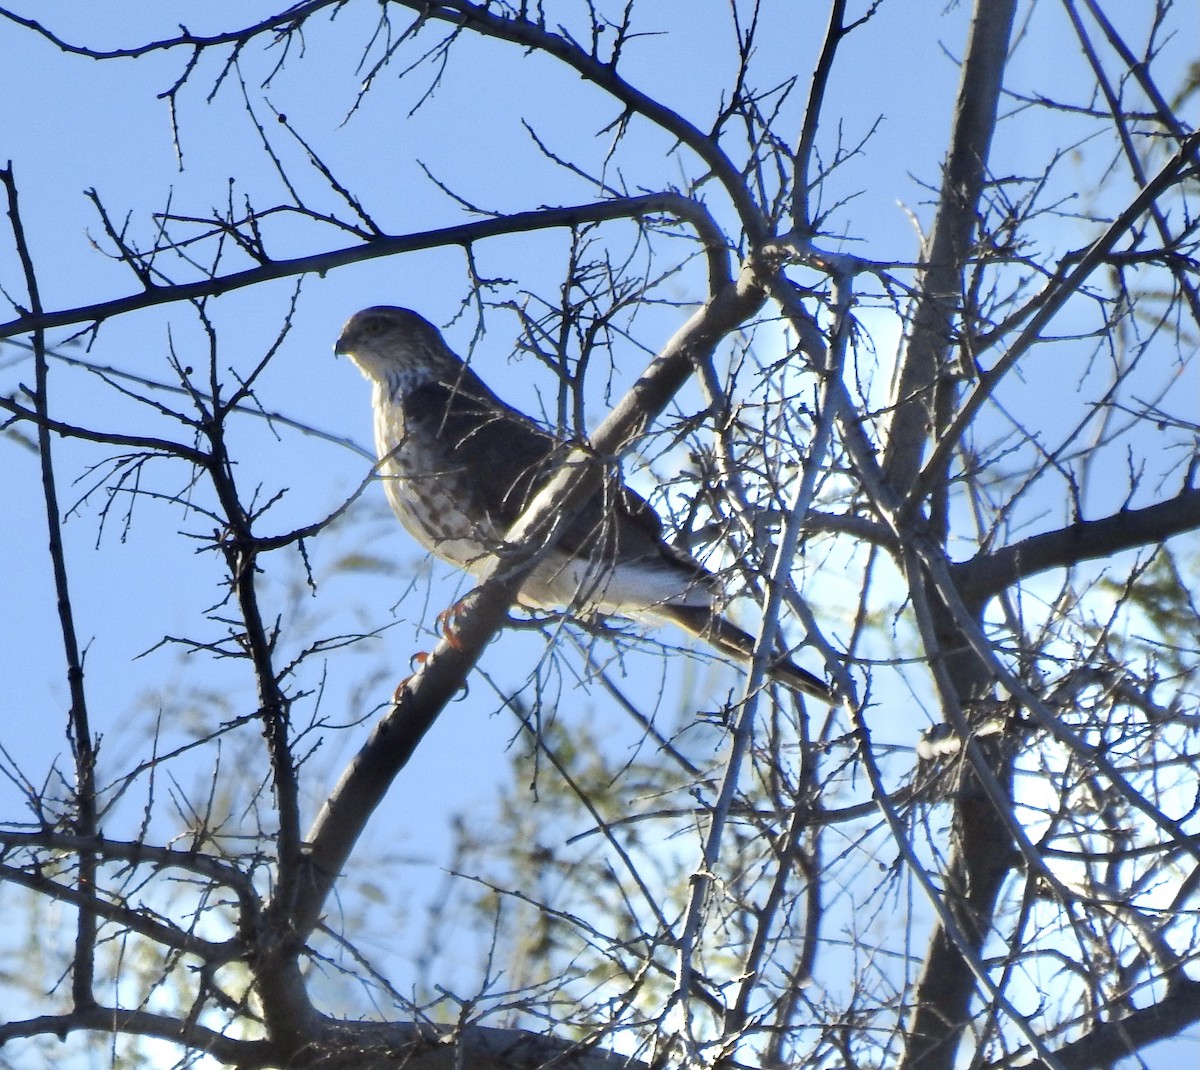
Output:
x=802 y=159
x=1125 y=1036
x=939 y=289
x=988 y=574
x=401 y=1046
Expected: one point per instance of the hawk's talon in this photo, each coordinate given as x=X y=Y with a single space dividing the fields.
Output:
x=446 y=622
x=415 y=662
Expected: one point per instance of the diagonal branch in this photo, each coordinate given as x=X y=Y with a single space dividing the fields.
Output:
x=1062 y=287
x=421 y=699
x=159 y=446
x=137 y=920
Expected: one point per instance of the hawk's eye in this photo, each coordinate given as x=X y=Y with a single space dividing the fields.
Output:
x=374 y=327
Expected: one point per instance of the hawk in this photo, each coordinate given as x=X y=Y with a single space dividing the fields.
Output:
x=459 y=466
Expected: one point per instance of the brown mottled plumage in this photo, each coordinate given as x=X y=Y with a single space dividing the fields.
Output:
x=459 y=466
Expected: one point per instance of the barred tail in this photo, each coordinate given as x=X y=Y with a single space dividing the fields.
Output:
x=715 y=630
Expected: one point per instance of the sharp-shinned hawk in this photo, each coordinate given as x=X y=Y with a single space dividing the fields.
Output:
x=459 y=466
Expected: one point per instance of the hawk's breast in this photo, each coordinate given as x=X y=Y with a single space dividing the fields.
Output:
x=429 y=489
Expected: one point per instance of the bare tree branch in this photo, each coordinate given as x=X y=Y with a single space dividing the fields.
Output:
x=465 y=234
x=985 y=576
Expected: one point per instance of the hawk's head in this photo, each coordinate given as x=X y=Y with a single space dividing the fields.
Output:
x=398 y=348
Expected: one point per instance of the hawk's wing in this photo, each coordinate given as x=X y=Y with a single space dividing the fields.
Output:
x=504 y=458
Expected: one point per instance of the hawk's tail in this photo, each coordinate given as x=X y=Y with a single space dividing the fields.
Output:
x=715 y=630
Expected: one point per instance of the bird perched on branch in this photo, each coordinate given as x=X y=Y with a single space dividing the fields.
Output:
x=459 y=467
